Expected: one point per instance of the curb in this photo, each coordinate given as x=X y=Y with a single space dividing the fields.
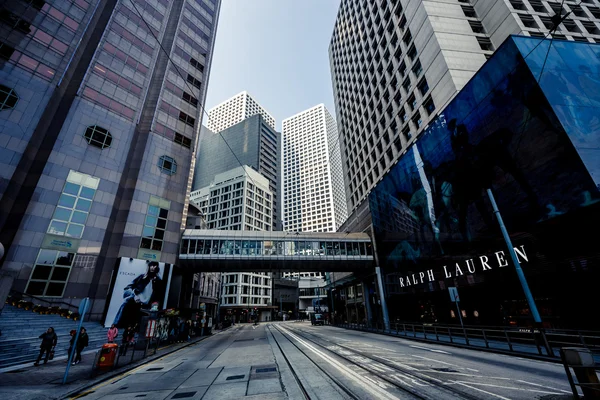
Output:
x=130 y=367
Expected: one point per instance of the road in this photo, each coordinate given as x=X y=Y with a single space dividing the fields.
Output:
x=299 y=361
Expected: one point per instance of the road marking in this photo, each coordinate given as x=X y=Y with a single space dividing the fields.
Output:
x=545 y=387
x=483 y=391
x=398 y=364
x=428 y=349
x=373 y=389
x=509 y=387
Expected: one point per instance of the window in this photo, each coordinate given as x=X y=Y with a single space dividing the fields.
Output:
x=6 y=51
x=187 y=119
x=196 y=64
x=50 y=274
x=8 y=98
x=98 y=136
x=167 y=165
x=155 y=224
x=15 y=22
x=190 y=99
x=194 y=81
x=74 y=205
x=182 y=140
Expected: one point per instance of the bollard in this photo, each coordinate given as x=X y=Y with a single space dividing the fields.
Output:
x=583 y=364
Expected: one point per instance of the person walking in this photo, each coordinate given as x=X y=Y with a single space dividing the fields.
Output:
x=72 y=333
x=125 y=341
x=112 y=333
x=49 y=340
x=82 y=343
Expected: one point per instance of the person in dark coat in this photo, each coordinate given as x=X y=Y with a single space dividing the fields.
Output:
x=125 y=339
x=49 y=340
x=140 y=293
x=82 y=342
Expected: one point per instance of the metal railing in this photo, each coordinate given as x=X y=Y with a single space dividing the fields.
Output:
x=539 y=342
x=46 y=301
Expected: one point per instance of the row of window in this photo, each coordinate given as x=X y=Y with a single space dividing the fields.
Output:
x=277 y=248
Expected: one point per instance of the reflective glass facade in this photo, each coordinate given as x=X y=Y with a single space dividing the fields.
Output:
x=536 y=147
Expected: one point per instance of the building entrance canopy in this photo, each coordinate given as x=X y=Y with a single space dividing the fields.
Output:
x=253 y=251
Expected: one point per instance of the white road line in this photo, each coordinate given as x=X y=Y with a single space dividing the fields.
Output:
x=418 y=347
x=399 y=364
x=509 y=387
x=428 y=349
x=483 y=391
x=545 y=387
x=369 y=385
x=438 y=361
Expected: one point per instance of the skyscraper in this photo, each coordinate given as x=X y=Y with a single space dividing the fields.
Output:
x=250 y=142
x=313 y=192
x=234 y=110
x=239 y=199
x=394 y=64
x=98 y=128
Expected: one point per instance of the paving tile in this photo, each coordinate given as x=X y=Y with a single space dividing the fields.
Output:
x=230 y=391
x=232 y=375
x=145 y=395
x=145 y=386
x=192 y=393
x=261 y=386
x=202 y=377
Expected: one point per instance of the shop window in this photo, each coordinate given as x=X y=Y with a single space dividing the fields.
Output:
x=8 y=98
x=98 y=136
x=50 y=273
x=167 y=165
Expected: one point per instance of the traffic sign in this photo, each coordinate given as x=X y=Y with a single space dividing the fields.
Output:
x=453 y=294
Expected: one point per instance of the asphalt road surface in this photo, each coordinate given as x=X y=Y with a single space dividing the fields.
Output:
x=294 y=360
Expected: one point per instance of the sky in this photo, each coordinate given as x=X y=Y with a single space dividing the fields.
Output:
x=276 y=50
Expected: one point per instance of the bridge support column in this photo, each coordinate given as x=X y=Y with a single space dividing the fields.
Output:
x=367 y=302
x=384 y=309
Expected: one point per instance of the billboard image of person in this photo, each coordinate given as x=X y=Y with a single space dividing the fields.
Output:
x=140 y=285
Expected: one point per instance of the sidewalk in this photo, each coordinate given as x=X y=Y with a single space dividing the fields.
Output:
x=45 y=382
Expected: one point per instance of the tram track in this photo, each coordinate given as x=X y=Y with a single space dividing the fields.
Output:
x=295 y=373
x=404 y=380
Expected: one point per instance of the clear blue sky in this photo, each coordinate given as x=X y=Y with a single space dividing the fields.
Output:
x=277 y=50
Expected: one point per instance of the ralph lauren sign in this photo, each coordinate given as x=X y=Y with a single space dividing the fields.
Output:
x=481 y=263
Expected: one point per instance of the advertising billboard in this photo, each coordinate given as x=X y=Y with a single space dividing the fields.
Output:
x=140 y=285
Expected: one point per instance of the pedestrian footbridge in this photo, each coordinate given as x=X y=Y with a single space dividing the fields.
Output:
x=264 y=251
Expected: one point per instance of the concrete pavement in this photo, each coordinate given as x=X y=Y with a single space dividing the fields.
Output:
x=45 y=382
x=294 y=360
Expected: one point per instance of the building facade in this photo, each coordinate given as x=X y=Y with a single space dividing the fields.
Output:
x=314 y=197
x=235 y=110
x=239 y=199
x=522 y=135
x=101 y=110
x=251 y=142
x=395 y=64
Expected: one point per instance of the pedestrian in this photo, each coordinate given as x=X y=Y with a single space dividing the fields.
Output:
x=125 y=341
x=49 y=340
x=82 y=343
x=112 y=333
x=72 y=333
